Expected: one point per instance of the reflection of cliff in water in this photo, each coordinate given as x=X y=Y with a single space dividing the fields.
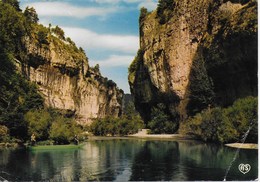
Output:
x=128 y=159
x=43 y=165
x=157 y=160
x=202 y=161
x=109 y=160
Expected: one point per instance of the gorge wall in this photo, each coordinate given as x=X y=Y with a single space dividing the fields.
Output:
x=195 y=54
x=65 y=79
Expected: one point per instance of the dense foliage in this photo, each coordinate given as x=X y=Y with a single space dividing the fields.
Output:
x=161 y=122
x=127 y=124
x=110 y=126
x=225 y=124
x=165 y=10
x=18 y=96
x=59 y=32
x=31 y=15
x=50 y=124
x=63 y=130
x=134 y=66
x=201 y=88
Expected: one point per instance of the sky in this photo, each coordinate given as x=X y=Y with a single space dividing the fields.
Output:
x=107 y=30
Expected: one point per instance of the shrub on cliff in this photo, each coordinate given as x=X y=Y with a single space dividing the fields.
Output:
x=134 y=66
x=164 y=5
x=164 y=10
x=59 y=32
x=201 y=88
x=31 y=15
x=143 y=13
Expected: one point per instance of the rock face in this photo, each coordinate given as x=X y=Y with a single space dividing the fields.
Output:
x=193 y=54
x=66 y=81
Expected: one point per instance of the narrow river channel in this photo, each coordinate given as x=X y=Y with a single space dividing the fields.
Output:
x=128 y=159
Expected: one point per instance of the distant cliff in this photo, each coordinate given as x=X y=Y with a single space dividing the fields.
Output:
x=64 y=77
x=195 y=54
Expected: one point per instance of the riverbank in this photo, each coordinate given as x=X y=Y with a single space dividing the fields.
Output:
x=243 y=145
x=144 y=134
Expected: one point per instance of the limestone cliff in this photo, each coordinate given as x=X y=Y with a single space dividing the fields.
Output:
x=66 y=81
x=195 y=53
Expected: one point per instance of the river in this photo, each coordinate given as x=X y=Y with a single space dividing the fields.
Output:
x=129 y=159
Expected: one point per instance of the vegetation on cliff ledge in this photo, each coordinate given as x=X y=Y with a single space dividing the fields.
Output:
x=165 y=10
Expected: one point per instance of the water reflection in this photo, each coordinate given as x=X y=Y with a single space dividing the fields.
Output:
x=123 y=160
x=159 y=165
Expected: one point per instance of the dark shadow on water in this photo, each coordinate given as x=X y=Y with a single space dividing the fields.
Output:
x=156 y=161
x=129 y=159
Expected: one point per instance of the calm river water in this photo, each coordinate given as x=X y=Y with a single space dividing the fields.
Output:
x=128 y=159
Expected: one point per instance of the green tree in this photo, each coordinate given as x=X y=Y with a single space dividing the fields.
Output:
x=143 y=13
x=217 y=127
x=12 y=29
x=68 y=39
x=15 y=91
x=59 y=32
x=164 y=10
x=130 y=111
x=39 y=122
x=42 y=35
x=96 y=68
x=164 y=5
x=63 y=130
x=243 y=115
x=31 y=15
x=201 y=88
x=110 y=126
x=13 y=3
x=160 y=121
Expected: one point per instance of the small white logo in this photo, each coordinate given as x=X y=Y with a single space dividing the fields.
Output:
x=244 y=168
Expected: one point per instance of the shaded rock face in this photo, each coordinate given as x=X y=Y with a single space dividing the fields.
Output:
x=68 y=83
x=202 y=53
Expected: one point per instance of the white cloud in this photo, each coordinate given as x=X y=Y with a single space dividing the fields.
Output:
x=116 y=1
x=92 y=40
x=67 y=10
x=115 y=61
x=106 y=1
x=149 y=4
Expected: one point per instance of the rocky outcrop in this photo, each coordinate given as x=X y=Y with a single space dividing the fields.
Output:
x=66 y=81
x=195 y=54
